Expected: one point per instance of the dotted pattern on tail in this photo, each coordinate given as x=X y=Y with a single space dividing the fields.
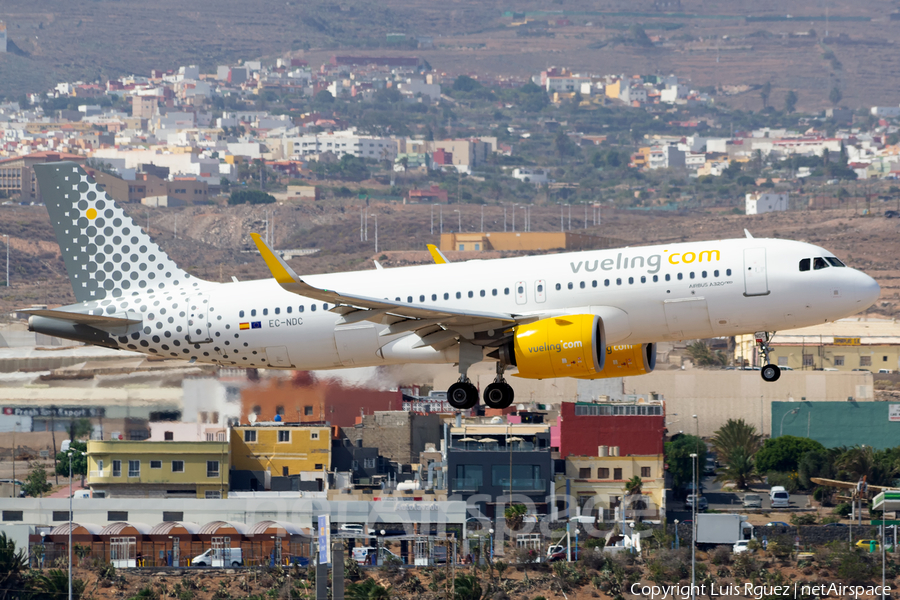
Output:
x=106 y=254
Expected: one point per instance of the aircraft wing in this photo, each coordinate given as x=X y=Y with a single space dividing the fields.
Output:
x=432 y=322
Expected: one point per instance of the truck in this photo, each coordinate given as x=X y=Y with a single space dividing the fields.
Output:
x=717 y=529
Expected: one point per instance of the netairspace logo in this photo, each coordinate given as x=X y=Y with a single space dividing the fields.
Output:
x=758 y=592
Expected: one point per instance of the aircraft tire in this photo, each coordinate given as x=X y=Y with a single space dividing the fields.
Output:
x=462 y=395
x=770 y=373
x=499 y=395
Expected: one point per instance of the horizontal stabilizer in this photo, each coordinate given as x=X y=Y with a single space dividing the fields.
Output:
x=82 y=318
x=436 y=255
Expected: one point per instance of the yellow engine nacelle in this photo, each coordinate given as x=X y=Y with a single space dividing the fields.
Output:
x=570 y=346
x=575 y=346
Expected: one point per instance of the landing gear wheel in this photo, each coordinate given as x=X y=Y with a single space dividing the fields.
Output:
x=770 y=373
x=499 y=395
x=462 y=395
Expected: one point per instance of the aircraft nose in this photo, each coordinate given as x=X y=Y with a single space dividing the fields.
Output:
x=866 y=290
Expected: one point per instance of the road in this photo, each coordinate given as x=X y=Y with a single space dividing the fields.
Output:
x=725 y=500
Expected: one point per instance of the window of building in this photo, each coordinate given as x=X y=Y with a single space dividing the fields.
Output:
x=370 y=463
x=117 y=515
x=134 y=468
x=178 y=466
x=808 y=360
x=584 y=473
x=313 y=435
x=284 y=435
x=212 y=468
x=307 y=411
x=60 y=515
x=838 y=361
x=169 y=436
x=884 y=359
x=617 y=473
x=285 y=472
x=468 y=477
x=156 y=464
x=865 y=361
x=117 y=468
x=319 y=466
x=210 y=495
x=173 y=515
x=645 y=472
x=603 y=473
x=354 y=466
x=249 y=435
x=16 y=515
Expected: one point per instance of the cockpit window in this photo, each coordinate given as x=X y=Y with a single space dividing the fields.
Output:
x=819 y=263
x=804 y=264
x=834 y=262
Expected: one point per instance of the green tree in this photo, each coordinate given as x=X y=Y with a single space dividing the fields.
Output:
x=515 y=515
x=702 y=355
x=36 y=483
x=54 y=584
x=835 y=96
x=563 y=145
x=815 y=464
x=764 y=93
x=783 y=453
x=736 y=434
x=634 y=486
x=367 y=590
x=739 y=468
x=678 y=457
x=790 y=101
x=250 y=197
x=324 y=97
x=79 y=460
x=12 y=565
x=466 y=587
x=81 y=428
x=464 y=83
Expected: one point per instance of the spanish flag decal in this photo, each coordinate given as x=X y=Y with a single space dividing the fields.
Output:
x=245 y=326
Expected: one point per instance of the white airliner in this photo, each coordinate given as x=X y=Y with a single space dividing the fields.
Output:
x=588 y=314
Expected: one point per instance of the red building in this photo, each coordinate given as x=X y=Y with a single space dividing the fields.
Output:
x=636 y=428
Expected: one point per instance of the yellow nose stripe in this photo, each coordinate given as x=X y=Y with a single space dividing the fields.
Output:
x=91 y=213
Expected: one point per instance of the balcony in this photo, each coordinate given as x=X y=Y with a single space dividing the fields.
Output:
x=101 y=473
x=523 y=485
x=465 y=484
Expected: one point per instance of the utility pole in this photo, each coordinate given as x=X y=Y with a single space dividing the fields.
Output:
x=6 y=235
x=482 y=218
x=504 y=216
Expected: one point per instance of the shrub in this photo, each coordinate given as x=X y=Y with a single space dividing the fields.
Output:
x=745 y=565
x=788 y=480
x=720 y=556
x=843 y=509
x=803 y=519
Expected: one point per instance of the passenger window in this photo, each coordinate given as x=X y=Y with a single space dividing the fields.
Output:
x=804 y=264
x=409 y=299
x=606 y=282
x=728 y=272
x=312 y=307
x=668 y=277
x=300 y=308
x=655 y=278
x=422 y=298
x=253 y=313
x=819 y=263
x=290 y=309
x=277 y=310
x=631 y=280
x=481 y=293
x=716 y=273
x=470 y=293
x=703 y=274
x=540 y=289
x=834 y=262
x=446 y=296
x=680 y=277
x=242 y=314
x=570 y=285
x=494 y=292
x=458 y=295
x=558 y=286
x=506 y=291
x=619 y=281
x=581 y=285
x=643 y=279
x=265 y=311
x=434 y=297
x=594 y=283
x=692 y=274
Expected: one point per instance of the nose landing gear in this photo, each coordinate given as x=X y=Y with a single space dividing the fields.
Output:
x=769 y=371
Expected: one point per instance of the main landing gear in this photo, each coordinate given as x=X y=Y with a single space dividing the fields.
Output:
x=463 y=395
x=769 y=371
x=499 y=394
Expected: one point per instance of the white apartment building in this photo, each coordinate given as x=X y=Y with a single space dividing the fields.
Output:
x=340 y=143
x=759 y=203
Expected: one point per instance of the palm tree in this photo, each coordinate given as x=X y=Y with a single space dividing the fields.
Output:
x=466 y=587
x=633 y=487
x=740 y=468
x=736 y=434
x=12 y=564
x=55 y=584
x=515 y=515
x=367 y=590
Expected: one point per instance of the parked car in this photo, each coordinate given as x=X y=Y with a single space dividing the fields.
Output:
x=835 y=524
x=366 y=555
x=868 y=545
x=777 y=524
x=752 y=501
x=702 y=502
x=235 y=558
x=355 y=529
x=779 y=497
x=888 y=214
x=741 y=546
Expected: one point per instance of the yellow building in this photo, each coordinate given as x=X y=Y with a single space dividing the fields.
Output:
x=267 y=456
x=845 y=345
x=143 y=469
x=613 y=90
x=519 y=241
x=598 y=485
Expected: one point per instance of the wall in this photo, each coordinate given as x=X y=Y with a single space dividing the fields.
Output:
x=399 y=435
x=718 y=395
x=307 y=448
x=838 y=423
x=581 y=435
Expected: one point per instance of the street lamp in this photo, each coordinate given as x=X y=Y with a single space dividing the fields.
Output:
x=459 y=216
x=71 y=454
x=790 y=412
x=677 y=541
x=694 y=527
x=381 y=550
x=491 y=531
x=6 y=235
x=374 y=216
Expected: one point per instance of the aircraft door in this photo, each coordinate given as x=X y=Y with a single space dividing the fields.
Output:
x=356 y=344
x=756 y=283
x=688 y=318
x=540 y=290
x=521 y=294
x=197 y=321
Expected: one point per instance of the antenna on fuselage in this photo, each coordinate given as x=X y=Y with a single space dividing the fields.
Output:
x=747 y=233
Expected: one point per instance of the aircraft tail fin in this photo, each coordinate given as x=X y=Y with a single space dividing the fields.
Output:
x=106 y=254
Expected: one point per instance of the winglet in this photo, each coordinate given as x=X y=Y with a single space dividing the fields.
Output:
x=282 y=273
x=747 y=233
x=437 y=255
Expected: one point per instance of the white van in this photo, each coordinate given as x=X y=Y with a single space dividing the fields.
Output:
x=217 y=558
x=365 y=555
x=779 y=497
